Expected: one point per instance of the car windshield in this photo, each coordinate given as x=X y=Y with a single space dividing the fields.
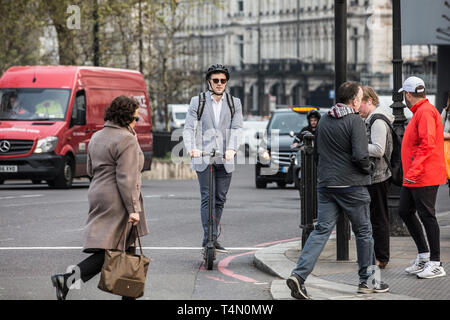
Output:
x=180 y=115
x=287 y=121
x=33 y=104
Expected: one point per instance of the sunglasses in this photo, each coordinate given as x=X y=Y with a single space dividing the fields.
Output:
x=136 y=118
x=216 y=81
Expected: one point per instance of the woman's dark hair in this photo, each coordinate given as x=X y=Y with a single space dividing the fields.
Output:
x=347 y=91
x=121 y=111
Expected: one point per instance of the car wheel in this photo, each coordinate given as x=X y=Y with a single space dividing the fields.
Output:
x=36 y=181
x=65 y=177
x=281 y=185
x=261 y=184
x=2 y=181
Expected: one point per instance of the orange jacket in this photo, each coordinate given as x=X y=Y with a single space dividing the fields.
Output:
x=423 y=147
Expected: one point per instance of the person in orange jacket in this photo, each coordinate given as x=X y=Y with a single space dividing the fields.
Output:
x=423 y=171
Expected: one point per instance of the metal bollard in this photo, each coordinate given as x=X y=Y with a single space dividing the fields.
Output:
x=308 y=187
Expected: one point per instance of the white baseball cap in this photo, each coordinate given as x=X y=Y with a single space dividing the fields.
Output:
x=411 y=85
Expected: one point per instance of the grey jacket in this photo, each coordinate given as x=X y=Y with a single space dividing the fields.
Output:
x=380 y=143
x=205 y=136
x=342 y=152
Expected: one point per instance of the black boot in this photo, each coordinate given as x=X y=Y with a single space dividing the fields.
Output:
x=59 y=281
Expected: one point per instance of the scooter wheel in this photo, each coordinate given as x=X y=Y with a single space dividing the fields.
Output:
x=209 y=258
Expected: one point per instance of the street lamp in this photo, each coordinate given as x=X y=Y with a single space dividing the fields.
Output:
x=397 y=228
x=340 y=76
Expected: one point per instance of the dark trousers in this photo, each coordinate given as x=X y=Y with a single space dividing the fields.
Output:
x=422 y=200
x=379 y=217
x=221 y=184
x=92 y=265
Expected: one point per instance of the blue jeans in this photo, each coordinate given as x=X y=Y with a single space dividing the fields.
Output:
x=356 y=206
x=221 y=184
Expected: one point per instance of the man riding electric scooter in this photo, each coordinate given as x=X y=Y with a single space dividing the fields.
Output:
x=213 y=123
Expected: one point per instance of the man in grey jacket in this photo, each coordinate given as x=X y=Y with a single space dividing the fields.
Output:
x=343 y=172
x=219 y=128
x=380 y=145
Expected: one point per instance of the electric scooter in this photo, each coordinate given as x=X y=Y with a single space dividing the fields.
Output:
x=209 y=253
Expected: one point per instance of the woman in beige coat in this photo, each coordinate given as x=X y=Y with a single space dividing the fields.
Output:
x=115 y=161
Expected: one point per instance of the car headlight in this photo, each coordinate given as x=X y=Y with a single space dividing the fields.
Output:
x=265 y=155
x=46 y=145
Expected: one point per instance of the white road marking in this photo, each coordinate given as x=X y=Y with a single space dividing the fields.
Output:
x=22 y=196
x=145 y=248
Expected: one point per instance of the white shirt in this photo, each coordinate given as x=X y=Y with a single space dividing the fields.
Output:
x=217 y=106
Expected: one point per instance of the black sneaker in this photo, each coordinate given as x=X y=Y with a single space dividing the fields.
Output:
x=379 y=287
x=296 y=284
x=219 y=248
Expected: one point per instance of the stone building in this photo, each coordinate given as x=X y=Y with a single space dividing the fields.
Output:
x=281 y=52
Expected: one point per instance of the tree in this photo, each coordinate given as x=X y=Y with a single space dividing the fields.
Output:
x=168 y=77
x=19 y=34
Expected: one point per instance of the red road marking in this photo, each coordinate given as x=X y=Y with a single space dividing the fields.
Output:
x=223 y=264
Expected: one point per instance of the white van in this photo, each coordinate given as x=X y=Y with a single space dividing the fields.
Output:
x=177 y=115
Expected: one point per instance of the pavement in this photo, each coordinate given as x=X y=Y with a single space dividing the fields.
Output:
x=338 y=280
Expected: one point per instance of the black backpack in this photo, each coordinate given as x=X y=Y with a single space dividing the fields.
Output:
x=202 y=101
x=395 y=165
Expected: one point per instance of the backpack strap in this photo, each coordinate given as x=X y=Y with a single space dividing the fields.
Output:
x=202 y=101
x=230 y=102
x=385 y=119
x=201 y=105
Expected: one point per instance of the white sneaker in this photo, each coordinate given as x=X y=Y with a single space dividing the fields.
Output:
x=432 y=270
x=418 y=266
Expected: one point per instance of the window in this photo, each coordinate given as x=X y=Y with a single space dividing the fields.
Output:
x=78 y=116
x=240 y=7
x=241 y=50
x=33 y=104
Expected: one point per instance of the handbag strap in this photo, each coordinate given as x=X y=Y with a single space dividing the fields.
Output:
x=124 y=238
x=136 y=231
x=136 y=235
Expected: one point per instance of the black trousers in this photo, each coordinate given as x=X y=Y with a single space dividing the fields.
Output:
x=422 y=200
x=379 y=217
x=92 y=265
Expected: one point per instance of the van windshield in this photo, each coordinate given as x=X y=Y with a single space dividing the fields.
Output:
x=288 y=121
x=33 y=104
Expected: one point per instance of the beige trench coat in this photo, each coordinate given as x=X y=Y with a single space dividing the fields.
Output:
x=114 y=162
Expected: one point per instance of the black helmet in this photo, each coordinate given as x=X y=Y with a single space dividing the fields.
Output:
x=217 y=68
x=313 y=114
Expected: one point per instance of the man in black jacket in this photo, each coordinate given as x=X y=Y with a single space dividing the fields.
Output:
x=313 y=117
x=343 y=171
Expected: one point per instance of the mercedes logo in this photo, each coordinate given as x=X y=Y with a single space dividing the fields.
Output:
x=5 y=146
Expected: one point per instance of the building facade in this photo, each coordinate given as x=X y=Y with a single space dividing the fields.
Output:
x=281 y=52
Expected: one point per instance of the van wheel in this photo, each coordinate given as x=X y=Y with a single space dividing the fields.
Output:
x=65 y=178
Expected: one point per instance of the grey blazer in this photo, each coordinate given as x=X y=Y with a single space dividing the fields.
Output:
x=205 y=136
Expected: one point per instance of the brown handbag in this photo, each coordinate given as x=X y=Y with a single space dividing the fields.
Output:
x=124 y=273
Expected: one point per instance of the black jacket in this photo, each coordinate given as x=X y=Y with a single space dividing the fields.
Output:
x=342 y=147
x=303 y=131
